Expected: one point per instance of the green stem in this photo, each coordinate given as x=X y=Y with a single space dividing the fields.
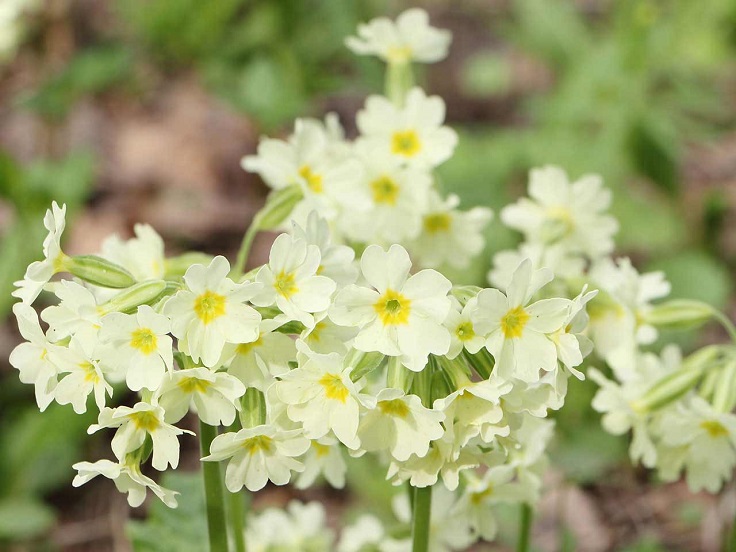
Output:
x=244 y=251
x=421 y=519
x=236 y=511
x=216 y=525
x=399 y=80
x=726 y=323
x=525 y=528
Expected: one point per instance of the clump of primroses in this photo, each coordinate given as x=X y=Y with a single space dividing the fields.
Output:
x=321 y=355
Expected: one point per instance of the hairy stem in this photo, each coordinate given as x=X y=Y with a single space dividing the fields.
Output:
x=216 y=524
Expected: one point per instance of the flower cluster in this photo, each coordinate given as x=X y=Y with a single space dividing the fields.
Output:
x=679 y=412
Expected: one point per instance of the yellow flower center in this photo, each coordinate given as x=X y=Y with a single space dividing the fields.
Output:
x=259 y=442
x=385 y=191
x=714 y=428
x=313 y=180
x=406 y=143
x=478 y=498
x=513 y=322
x=144 y=340
x=397 y=54
x=90 y=374
x=245 y=348
x=394 y=407
x=334 y=387
x=560 y=223
x=437 y=222
x=145 y=420
x=285 y=284
x=393 y=308
x=194 y=385
x=465 y=331
x=209 y=306
x=320 y=449
x=316 y=334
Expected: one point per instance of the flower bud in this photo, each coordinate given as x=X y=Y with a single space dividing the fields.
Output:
x=679 y=314
x=142 y=293
x=362 y=363
x=464 y=293
x=482 y=362
x=253 y=408
x=724 y=396
x=98 y=271
x=397 y=375
x=278 y=207
x=668 y=389
x=176 y=267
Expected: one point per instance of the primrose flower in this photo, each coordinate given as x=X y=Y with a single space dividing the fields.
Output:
x=706 y=439
x=134 y=424
x=212 y=395
x=413 y=134
x=128 y=479
x=80 y=374
x=211 y=311
x=290 y=280
x=571 y=214
x=39 y=273
x=323 y=457
x=142 y=256
x=257 y=455
x=450 y=236
x=519 y=333
x=139 y=346
x=77 y=313
x=322 y=397
x=367 y=533
x=397 y=198
x=462 y=330
x=399 y=315
x=409 y=38
x=35 y=359
x=400 y=425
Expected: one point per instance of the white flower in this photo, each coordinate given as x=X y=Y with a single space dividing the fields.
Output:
x=142 y=256
x=518 y=333
x=257 y=455
x=35 y=358
x=554 y=257
x=321 y=396
x=708 y=438
x=450 y=236
x=212 y=395
x=128 y=479
x=399 y=315
x=77 y=313
x=323 y=457
x=336 y=261
x=409 y=38
x=616 y=318
x=327 y=337
x=462 y=330
x=39 y=273
x=572 y=345
x=298 y=527
x=139 y=346
x=134 y=424
x=400 y=425
x=258 y=362
x=308 y=160
x=397 y=197
x=571 y=214
x=497 y=485
x=413 y=134
x=212 y=312
x=290 y=280
x=84 y=375
x=367 y=533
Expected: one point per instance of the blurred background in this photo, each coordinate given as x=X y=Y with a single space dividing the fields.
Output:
x=140 y=110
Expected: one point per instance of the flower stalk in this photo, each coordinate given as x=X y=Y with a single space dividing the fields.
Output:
x=215 y=503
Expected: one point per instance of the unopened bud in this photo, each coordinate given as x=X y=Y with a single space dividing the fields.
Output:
x=253 y=408
x=724 y=395
x=397 y=375
x=464 y=293
x=362 y=363
x=669 y=389
x=278 y=207
x=679 y=314
x=98 y=271
x=176 y=267
x=142 y=293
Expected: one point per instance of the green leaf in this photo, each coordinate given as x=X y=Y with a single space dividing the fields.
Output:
x=24 y=518
x=174 y=529
x=91 y=72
